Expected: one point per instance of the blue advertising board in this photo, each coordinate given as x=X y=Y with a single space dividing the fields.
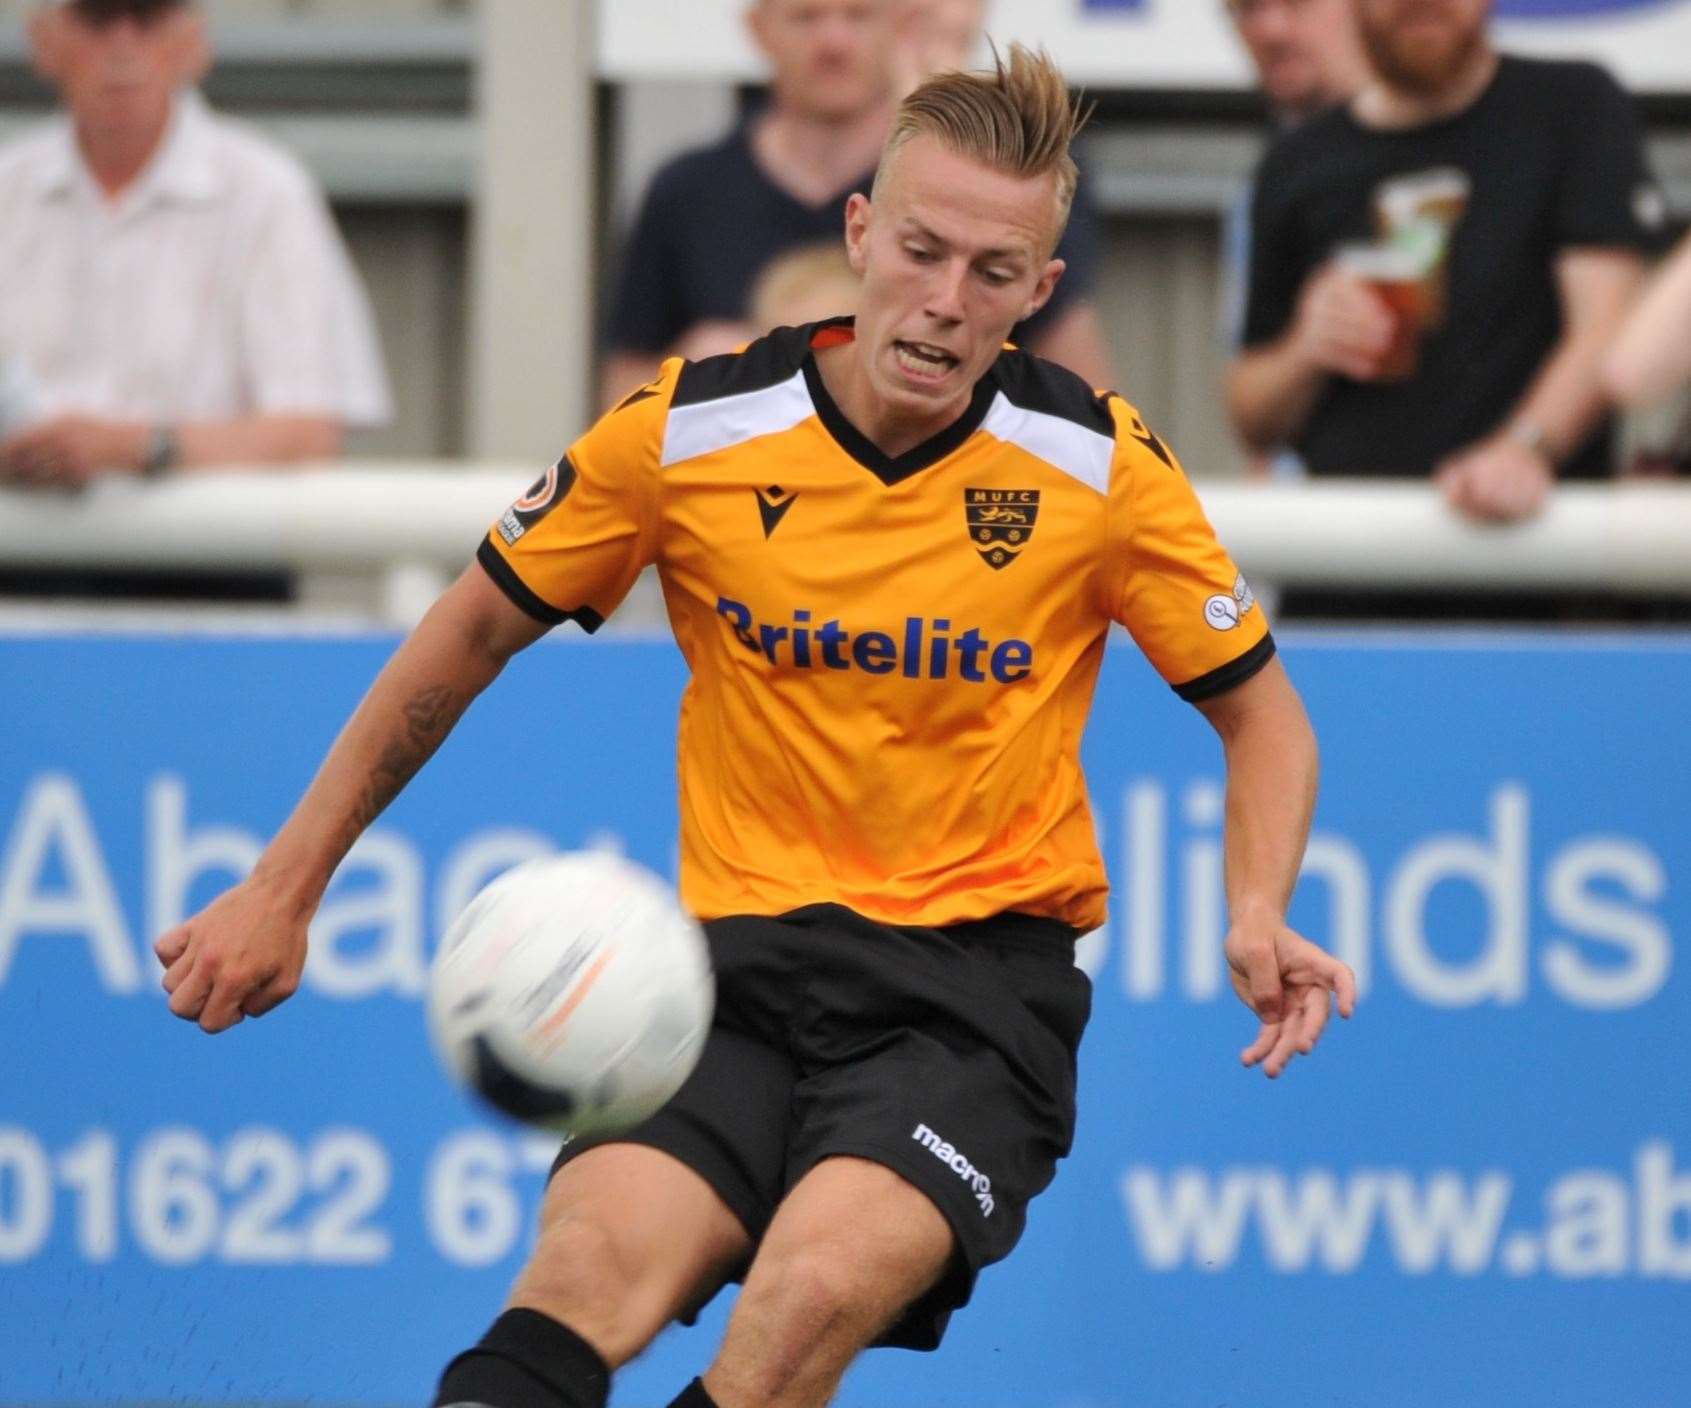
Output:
x=1478 y=1192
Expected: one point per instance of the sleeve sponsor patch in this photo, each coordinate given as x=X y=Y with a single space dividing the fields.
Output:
x=1224 y=611
x=544 y=495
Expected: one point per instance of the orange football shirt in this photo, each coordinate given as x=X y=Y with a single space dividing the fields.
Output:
x=892 y=659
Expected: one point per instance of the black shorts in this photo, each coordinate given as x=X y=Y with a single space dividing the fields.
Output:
x=948 y=1055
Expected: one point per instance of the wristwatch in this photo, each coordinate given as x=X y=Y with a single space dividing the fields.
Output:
x=163 y=451
x=1528 y=432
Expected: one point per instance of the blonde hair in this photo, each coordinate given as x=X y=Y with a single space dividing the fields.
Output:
x=1018 y=119
x=804 y=285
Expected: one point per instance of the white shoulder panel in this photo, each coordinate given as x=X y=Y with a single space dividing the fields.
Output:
x=709 y=426
x=1077 y=451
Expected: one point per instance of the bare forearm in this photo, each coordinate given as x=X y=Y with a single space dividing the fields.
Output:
x=1652 y=354
x=217 y=444
x=429 y=714
x=1597 y=288
x=416 y=700
x=1567 y=398
x=1272 y=770
x=401 y=722
x=259 y=440
x=1271 y=391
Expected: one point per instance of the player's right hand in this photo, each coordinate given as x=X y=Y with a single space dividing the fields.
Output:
x=1343 y=326
x=1291 y=985
x=237 y=958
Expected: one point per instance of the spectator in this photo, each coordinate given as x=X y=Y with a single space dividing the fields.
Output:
x=803 y=285
x=938 y=35
x=715 y=216
x=1652 y=356
x=176 y=293
x=1503 y=203
x=1307 y=54
x=1308 y=58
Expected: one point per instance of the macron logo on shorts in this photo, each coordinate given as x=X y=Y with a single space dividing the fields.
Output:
x=958 y=1164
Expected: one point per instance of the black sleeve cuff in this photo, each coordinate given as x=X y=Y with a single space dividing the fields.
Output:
x=525 y=600
x=1229 y=676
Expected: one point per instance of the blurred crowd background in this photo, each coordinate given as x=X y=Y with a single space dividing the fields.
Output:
x=178 y=292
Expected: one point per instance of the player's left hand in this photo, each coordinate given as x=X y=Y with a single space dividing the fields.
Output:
x=1290 y=984
x=68 y=451
x=1499 y=480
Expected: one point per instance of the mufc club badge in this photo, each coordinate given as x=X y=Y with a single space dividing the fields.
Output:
x=544 y=495
x=1000 y=522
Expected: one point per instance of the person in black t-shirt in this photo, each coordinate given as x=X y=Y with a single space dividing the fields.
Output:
x=716 y=216
x=1439 y=265
x=1308 y=58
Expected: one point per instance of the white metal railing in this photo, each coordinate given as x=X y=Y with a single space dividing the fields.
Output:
x=402 y=527
x=336 y=518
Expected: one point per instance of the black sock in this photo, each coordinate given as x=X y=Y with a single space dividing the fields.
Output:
x=694 y=1396
x=527 y=1360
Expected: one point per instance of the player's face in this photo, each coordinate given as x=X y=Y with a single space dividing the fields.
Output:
x=118 y=74
x=1304 y=51
x=831 y=59
x=952 y=255
x=1422 y=46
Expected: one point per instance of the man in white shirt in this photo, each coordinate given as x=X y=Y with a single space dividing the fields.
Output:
x=173 y=292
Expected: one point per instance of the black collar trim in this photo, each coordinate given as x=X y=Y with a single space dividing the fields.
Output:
x=886 y=468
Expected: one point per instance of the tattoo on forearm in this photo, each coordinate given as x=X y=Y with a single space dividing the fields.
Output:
x=429 y=716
